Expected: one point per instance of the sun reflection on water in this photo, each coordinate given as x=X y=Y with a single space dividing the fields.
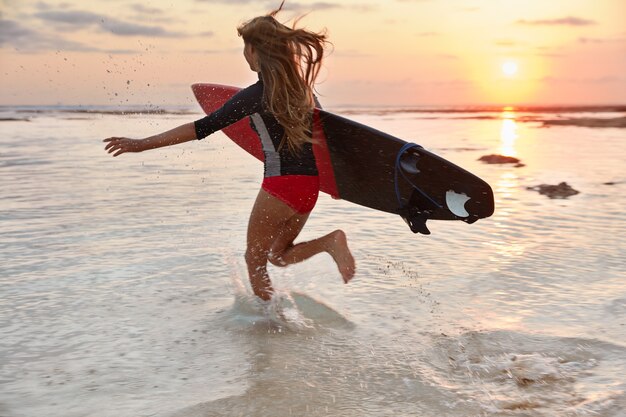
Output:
x=507 y=185
x=505 y=244
x=508 y=132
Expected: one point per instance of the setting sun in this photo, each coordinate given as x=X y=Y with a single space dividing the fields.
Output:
x=509 y=68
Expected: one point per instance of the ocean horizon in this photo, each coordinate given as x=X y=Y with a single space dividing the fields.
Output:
x=426 y=108
x=594 y=116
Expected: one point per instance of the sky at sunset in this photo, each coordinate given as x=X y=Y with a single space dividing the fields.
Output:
x=391 y=52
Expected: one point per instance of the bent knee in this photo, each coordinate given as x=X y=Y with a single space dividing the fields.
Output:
x=276 y=258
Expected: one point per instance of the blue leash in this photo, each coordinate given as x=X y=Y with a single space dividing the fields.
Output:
x=402 y=150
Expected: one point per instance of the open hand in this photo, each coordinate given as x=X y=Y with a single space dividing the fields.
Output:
x=122 y=145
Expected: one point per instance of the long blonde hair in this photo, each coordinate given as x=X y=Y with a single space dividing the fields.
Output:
x=289 y=60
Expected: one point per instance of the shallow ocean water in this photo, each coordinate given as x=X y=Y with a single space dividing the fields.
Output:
x=124 y=290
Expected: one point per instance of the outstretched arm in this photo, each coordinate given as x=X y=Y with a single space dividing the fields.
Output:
x=180 y=134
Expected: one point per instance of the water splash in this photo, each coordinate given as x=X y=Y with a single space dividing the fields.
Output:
x=514 y=372
x=287 y=311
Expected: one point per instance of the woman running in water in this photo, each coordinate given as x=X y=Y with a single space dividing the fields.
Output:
x=280 y=104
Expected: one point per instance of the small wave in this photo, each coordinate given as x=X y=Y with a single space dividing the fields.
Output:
x=126 y=112
x=513 y=372
x=617 y=308
x=17 y=113
x=595 y=122
x=17 y=162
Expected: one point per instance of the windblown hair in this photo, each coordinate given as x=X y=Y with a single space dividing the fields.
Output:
x=289 y=60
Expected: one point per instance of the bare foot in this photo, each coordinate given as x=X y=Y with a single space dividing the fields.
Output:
x=341 y=254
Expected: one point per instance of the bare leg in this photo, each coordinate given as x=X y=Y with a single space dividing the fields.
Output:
x=272 y=229
x=269 y=216
x=284 y=252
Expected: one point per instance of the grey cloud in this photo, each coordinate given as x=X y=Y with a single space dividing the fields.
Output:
x=152 y=15
x=42 y=5
x=76 y=19
x=73 y=18
x=321 y=5
x=214 y=51
x=564 y=21
x=121 y=28
x=297 y=6
x=138 y=7
x=600 y=40
x=16 y=35
x=10 y=30
x=231 y=1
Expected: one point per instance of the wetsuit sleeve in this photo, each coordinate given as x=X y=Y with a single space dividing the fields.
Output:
x=242 y=104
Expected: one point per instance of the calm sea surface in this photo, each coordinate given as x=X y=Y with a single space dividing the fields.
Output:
x=123 y=289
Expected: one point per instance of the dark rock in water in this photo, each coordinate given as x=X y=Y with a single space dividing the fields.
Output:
x=562 y=190
x=500 y=159
x=14 y=119
x=619 y=122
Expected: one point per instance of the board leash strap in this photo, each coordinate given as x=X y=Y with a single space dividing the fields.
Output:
x=416 y=221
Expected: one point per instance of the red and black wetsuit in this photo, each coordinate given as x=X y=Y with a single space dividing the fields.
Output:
x=291 y=177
